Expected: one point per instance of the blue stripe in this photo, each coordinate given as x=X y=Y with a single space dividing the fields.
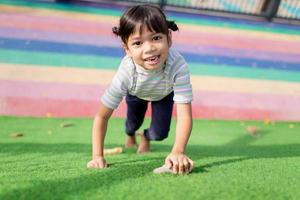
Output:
x=65 y=48
x=241 y=62
x=57 y=47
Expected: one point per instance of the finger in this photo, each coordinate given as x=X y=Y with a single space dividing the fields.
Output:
x=102 y=164
x=186 y=166
x=180 y=164
x=180 y=168
x=191 y=165
x=175 y=167
x=182 y=161
x=91 y=164
x=168 y=163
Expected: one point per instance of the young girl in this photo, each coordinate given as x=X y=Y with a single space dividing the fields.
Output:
x=152 y=72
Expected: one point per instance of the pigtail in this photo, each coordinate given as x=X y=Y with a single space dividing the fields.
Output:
x=115 y=30
x=172 y=25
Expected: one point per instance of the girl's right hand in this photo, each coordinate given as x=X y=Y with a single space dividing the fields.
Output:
x=97 y=162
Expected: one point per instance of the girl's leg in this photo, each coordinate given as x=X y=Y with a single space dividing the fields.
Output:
x=160 y=118
x=136 y=109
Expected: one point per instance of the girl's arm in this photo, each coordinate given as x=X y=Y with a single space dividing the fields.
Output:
x=183 y=127
x=98 y=135
x=179 y=162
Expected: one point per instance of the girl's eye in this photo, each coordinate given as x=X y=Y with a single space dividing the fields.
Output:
x=138 y=43
x=157 y=37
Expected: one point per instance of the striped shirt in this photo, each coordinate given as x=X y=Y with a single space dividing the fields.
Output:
x=150 y=85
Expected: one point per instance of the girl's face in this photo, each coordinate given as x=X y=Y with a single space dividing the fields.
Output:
x=148 y=49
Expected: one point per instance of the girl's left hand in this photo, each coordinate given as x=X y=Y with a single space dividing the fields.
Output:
x=179 y=163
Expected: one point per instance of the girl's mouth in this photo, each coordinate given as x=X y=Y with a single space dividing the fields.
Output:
x=152 y=60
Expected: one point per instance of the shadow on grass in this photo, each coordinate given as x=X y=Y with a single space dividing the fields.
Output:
x=239 y=147
x=100 y=180
x=91 y=179
x=204 y=168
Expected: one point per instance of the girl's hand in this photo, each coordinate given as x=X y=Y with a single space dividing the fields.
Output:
x=179 y=163
x=97 y=162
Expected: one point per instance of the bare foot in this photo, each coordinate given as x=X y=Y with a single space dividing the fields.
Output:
x=130 y=142
x=144 y=146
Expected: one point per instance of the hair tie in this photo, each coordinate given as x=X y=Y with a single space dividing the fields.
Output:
x=172 y=25
x=115 y=30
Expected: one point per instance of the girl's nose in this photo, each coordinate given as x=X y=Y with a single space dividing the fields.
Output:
x=149 y=47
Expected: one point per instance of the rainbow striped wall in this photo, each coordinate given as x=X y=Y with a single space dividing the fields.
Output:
x=56 y=60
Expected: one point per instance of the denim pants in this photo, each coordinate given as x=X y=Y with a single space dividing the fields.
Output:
x=160 y=117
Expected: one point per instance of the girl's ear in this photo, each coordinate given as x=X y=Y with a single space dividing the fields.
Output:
x=170 y=38
x=127 y=51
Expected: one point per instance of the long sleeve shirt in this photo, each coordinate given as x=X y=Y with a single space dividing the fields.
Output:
x=150 y=85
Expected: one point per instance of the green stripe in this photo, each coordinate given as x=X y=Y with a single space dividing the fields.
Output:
x=244 y=72
x=102 y=62
x=116 y=13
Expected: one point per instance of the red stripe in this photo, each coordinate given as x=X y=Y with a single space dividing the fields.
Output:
x=243 y=114
x=82 y=108
x=65 y=91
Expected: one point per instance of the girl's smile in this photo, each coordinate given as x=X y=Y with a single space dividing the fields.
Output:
x=152 y=60
x=148 y=49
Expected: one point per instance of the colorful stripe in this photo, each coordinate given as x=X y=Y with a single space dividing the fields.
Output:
x=111 y=41
x=51 y=64
x=43 y=107
x=68 y=91
x=104 y=77
x=65 y=48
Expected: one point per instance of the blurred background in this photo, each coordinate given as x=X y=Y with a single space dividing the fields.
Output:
x=58 y=56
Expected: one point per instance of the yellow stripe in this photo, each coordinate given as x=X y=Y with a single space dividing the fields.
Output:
x=53 y=74
x=104 y=77
x=183 y=27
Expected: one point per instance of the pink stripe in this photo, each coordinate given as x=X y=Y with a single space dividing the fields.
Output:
x=43 y=107
x=243 y=114
x=18 y=22
x=52 y=107
x=60 y=91
x=270 y=102
x=77 y=108
x=38 y=90
x=58 y=21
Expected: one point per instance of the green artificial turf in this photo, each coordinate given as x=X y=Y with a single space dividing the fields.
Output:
x=49 y=162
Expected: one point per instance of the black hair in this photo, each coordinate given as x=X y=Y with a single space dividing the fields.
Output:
x=150 y=15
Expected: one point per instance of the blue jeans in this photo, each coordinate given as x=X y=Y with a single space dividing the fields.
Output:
x=160 y=117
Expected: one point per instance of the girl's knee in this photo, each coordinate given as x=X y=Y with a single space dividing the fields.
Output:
x=157 y=135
